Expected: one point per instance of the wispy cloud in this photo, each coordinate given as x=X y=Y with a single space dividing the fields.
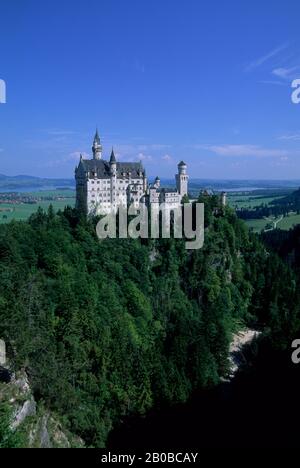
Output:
x=153 y=147
x=65 y=159
x=57 y=132
x=295 y=136
x=144 y=157
x=245 y=150
x=282 y=66
x=285 y=73
x=135 y=152
x=261 y=60
x=75 y=156
x=167 y=158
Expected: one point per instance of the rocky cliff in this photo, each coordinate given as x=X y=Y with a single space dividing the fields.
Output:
x=37 y=427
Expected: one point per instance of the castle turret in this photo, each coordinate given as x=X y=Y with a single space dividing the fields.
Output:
x=157 y=182
x=113 y=179
x=97 y=147
x=223 y=198
x=113 y=162
x=145 y=183
x=182 y=179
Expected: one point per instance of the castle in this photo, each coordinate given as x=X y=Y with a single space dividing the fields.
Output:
x=102 y=186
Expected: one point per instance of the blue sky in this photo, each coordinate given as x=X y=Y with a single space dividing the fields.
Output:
x=164 y=80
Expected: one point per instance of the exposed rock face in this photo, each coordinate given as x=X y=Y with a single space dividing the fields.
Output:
x=59 y=437
x=27 y=409
x=21 y=382
x=43 y=429
x=23 y=401
x=44 y=433
x=236 y=351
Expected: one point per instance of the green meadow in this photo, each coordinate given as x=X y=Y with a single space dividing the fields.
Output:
x=22 y=211
x=286 y=223
x=249 y=201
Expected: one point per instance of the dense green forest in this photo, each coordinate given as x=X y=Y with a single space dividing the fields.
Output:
x=114 y=327
x=286 y=244
x=292 y=200
x=264 y=210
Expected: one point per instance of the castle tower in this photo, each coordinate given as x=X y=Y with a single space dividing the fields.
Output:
x=145 y=182
x=223 y=198
x=97 y=147
x=113 y=162
x=157 y=182
x=80 y=178
x=182 y=179
x=113 y=178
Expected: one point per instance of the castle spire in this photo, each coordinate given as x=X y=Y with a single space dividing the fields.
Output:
x=112 y=157
x=97 y=147
x=97 y=138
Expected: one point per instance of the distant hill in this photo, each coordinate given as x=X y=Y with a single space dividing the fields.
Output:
x=26 y=182
x=23 y=182
x=245 y=185
x=292 y=200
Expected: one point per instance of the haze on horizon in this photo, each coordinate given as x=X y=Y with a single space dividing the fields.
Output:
x=163 y=81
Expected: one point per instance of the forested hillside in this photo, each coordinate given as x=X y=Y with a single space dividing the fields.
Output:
x=108 y=328
x=286 y=244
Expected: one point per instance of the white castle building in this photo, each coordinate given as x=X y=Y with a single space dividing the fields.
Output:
x=102 y=186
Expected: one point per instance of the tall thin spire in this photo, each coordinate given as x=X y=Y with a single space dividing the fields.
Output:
x=97 y=138
x=97 y=147
x=112 y=156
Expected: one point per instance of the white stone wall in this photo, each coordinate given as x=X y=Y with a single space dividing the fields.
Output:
x=182 y=184
x=98 y=193
x=154 y=196
x=108 y=194
x=172 y=199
